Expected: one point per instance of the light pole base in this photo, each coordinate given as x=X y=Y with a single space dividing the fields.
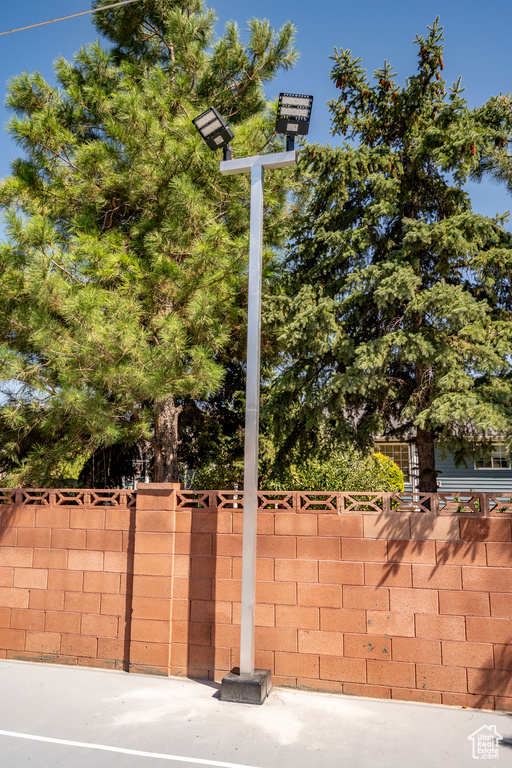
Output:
x=246 y=690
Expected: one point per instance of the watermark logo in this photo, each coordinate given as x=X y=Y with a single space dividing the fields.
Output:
x=485 y=743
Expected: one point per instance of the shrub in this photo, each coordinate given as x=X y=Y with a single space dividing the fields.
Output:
x=347 y=469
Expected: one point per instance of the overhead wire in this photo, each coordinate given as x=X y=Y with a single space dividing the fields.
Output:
x=72 y=16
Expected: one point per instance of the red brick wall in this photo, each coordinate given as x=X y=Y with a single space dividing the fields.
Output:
x=65 y=577
x=401 y=604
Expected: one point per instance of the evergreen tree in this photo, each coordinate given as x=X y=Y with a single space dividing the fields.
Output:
x=398 y=308
x=124 y=270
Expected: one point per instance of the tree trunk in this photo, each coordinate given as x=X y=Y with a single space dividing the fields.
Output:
x=426 y=461
x=165 y=467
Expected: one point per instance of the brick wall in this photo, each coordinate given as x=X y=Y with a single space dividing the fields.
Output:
x=361 y=595
x=65 y=576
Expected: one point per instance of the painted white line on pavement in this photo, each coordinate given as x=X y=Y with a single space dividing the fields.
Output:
x=138 y=753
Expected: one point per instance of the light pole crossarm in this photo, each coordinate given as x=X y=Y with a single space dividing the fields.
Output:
x=245 y=164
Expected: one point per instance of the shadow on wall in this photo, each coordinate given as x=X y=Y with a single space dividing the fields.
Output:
x=493 y=675
x=8 y=513
x=129 y=591
x=453 y=538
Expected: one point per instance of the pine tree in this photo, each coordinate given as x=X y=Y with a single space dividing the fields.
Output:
x=124 y=268
x=398 y=310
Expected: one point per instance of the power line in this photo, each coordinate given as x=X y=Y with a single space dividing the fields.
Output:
x=73 y=16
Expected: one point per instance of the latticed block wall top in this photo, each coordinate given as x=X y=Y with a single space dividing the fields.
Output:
x=467 y=503
x=477 y=504
x=67 y=497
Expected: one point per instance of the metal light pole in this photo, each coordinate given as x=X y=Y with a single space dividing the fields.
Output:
x=253 y=686
x=256 y=166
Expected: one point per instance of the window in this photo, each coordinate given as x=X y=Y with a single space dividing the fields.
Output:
x=498 y=458
x=399 y=452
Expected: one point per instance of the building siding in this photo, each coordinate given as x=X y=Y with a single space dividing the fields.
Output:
x=467 y=478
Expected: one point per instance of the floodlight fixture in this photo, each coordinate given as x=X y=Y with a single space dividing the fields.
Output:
x=293 y=116
x=215 y=131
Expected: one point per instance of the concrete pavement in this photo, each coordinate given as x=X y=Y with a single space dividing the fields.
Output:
x=55 y=716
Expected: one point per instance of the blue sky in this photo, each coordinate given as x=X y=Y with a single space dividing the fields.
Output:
x=477 y=47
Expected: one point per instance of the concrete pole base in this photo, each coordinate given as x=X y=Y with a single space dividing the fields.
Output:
x=246 y=690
